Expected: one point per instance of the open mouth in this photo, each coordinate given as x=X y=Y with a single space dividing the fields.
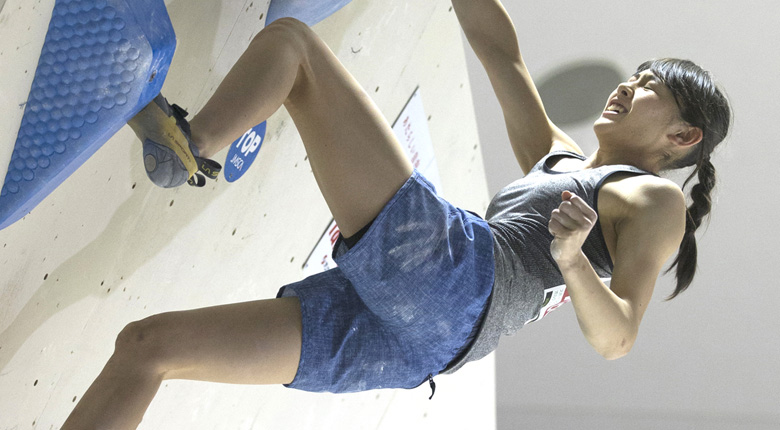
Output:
x=616 y=108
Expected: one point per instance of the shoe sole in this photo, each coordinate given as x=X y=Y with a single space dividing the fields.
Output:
x=165 y=132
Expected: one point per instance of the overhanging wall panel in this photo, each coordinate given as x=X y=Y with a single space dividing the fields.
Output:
x=108 y=248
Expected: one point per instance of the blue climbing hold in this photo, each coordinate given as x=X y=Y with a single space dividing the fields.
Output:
x=308 y=11
x=102 y=61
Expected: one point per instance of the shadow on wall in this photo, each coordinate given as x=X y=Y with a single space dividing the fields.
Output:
x=194 y=59
x=123 y=238
x=577 y=92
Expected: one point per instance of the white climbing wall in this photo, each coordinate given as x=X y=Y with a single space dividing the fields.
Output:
x=107 y=247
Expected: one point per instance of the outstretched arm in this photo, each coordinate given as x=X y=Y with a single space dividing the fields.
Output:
x=492 y=36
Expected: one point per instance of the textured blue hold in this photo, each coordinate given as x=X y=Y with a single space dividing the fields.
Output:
x=308 y=11
x=102 y=61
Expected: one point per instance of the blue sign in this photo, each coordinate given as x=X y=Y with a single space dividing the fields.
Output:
x=243 y=152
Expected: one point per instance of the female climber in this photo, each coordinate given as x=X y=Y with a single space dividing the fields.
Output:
x=423 y=287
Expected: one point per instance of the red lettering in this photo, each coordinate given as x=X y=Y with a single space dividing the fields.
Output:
x=334 y=235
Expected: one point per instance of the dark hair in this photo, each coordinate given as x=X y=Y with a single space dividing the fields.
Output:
x=702 y=104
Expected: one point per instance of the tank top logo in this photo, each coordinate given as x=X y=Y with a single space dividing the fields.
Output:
x=554 y=298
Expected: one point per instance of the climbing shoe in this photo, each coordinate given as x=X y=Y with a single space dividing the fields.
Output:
x=170 y=157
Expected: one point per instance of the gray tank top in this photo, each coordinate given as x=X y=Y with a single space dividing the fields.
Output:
x=528 y=283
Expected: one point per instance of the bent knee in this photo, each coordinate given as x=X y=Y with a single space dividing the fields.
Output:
x=141 y=338
x=289 y=23
x=290 y=29
x=292 y=33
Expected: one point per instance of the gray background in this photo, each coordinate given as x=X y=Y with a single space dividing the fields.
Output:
x=708 y=358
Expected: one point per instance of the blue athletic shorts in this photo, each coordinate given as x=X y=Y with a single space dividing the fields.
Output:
x=402 y=303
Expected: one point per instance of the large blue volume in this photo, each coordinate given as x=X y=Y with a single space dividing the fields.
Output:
x=102 y=61
x=308 y=11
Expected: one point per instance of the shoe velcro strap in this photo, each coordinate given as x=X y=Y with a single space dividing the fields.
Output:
x=196 y=180
x=180 y=110
x=210 y=168
x=179 y=113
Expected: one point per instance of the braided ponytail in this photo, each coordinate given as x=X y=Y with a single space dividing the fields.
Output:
x=702 y=104
x=685 y=262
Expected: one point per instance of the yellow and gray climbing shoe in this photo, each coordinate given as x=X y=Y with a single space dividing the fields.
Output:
x=170 y=157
